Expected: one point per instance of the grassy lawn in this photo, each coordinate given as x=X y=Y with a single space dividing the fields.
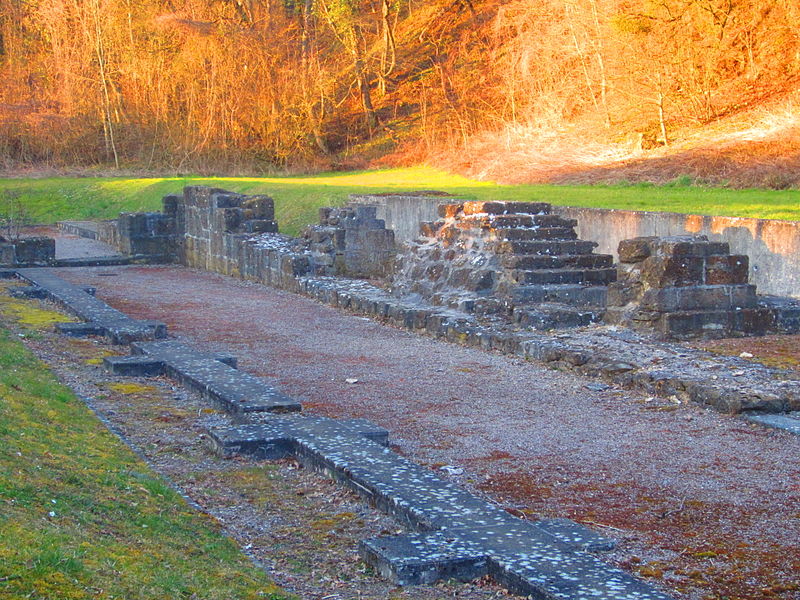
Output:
x=298 y=198
x=80 y=515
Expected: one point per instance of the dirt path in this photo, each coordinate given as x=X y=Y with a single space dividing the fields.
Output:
x=706 y=504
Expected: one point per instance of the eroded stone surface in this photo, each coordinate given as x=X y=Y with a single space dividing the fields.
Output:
x=465 y=537
x=212 y=375
x=684 y=287
x=508 y=258
x=99 y=316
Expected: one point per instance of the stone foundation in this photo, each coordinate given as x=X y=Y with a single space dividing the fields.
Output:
x=512 y=258
x=147 y=234
x=515 y=261
x=683 y=287
x=33 y=251
x=350 y=242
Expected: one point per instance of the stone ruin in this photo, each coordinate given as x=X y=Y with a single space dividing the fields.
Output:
x=685 y=286
x=515 y=259
x=30 y=251
x=350 y=242
x=516 y=263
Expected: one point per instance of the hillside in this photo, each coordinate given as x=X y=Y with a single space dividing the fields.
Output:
x=511 y=90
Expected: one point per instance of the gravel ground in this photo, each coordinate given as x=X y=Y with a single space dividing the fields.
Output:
x=302 y=528
x=704 y=504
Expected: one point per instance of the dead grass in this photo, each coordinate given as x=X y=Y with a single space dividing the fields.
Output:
x=757 y=148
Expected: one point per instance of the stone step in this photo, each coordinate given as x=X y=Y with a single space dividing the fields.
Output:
x=697 y=297
x=536 y=233
x=552 y=247
x=573 y=295
x=786 y=312
x=505 y=208
x=556 y=316
x=554 y=221
x=544 y=261
x=545 y=276
x=495 y=221
x=717 y=323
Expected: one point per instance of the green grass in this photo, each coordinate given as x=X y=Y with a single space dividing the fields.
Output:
x=298 y=197
x=82 y=517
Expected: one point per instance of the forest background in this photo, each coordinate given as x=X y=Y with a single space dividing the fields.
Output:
x=509 y=90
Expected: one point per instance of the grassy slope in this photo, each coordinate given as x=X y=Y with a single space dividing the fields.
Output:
x=298 y=198
x=80 y=515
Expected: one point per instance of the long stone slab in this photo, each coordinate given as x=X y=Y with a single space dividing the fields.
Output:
x=460 y=535
x=99 y=316
x=788 y=422
x=214 y=376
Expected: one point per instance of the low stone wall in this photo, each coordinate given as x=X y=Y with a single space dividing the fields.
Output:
x=148 y=234
x=33 y=251
x=211 y=223
x=773 y=246
x=403 y=213
x=350 y=242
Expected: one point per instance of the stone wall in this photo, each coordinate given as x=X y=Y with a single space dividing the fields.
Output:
x=351 y=242
x=403 y=213
x=33 y=251
x=211 y=224
x=773 y=246
x=685 y=287
x=511 y=258
x=221 y=231
x=148 y=234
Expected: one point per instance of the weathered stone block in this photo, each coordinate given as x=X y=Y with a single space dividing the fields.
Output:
x=667 y=271
x=260 y=207
x=170 y=204
x=635 y=250
x=502 y=208
x=34 y=251
x=447 y=211
x=260 y=226
x=726 y=269
x=681 y=245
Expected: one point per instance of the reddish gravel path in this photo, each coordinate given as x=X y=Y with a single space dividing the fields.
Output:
x=707 y=504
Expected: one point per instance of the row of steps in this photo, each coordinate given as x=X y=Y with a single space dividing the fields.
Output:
x=526 y=257
x=556 y=316
x=546 y=247
x=567 y=275
x=558 y=281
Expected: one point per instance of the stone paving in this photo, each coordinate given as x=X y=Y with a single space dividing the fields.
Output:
x=215 y=377
x=470 y=538
x=99 y=318
x=473 y=403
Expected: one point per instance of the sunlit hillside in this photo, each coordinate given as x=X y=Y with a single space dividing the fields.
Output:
x=512 y=90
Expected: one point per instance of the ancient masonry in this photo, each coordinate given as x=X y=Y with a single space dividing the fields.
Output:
x=681 y=285
x=27 y=252
x=498 y=276
x=459 y=535
x=98 y=318
x=350 y=242
x=515 y=259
